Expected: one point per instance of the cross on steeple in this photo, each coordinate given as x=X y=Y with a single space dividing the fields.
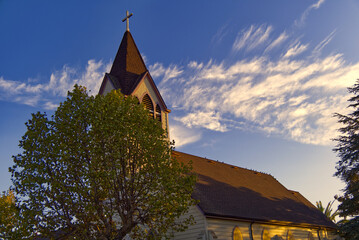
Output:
x=127 y=19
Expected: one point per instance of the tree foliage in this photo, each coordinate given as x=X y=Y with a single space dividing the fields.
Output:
x=328 y=210
x=9 y=217
x=347 y=167
x=100 y=168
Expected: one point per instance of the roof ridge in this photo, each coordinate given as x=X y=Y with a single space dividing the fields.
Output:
x=230 y=165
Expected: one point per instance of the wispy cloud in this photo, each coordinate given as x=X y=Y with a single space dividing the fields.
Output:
x=300 y=22
x=277 y=42
x=209 y=120
x=168 y=73
x=252 y=37
x=317 y=50
x=182 y=134
x=50 y=93
x=293 y=94
x=295 y=50
x=283 y=96
x=220 y=34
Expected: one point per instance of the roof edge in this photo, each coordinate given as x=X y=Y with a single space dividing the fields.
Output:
x=104 y=81
x=138 y=51
x=219 y=162
x=272 y=222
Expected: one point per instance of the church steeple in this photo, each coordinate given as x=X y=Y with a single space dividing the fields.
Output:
x=130 y=74
x=128 y=66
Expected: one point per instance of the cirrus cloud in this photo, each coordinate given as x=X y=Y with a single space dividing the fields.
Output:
x=48 y=95
x=293 y=95
x=286 y=96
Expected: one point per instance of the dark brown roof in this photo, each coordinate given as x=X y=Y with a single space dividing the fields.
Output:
x=128 y=67
x=229 y=191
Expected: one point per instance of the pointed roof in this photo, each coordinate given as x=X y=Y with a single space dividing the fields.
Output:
x=128 y=67
x=231 y=192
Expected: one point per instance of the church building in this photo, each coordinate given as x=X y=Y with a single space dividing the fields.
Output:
x=234 y=203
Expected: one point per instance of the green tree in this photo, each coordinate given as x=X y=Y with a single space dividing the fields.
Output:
x=347 y=167
x=8 y=215
x=328 y=210
x=100 y=168
x=10 y=219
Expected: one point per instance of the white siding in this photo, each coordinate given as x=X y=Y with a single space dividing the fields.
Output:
x=195 y=231
x=224 y=228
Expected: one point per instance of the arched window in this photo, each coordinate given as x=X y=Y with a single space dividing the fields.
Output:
x=147 y=102
x=158 y=113
x=236 y=235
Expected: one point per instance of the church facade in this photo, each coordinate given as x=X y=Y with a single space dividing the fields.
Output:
x=238 y=203
x=234 y=203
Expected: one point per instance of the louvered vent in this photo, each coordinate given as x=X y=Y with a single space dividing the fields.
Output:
x=158 y=113
x=146 y=100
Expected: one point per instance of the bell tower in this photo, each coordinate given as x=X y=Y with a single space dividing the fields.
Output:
x=130 y=74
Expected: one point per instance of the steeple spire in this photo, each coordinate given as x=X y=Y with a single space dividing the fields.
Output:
x=130 y=74
x=128 y=65
x=127 y=19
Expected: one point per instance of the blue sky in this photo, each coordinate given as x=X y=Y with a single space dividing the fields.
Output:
x=250 y=83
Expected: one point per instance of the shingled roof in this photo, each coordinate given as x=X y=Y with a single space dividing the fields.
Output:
x=228 y=191
x=128 y=68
